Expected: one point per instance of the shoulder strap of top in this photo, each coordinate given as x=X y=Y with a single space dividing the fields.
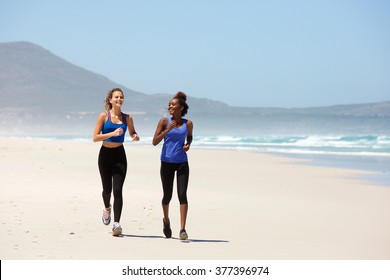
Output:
x=124 y=118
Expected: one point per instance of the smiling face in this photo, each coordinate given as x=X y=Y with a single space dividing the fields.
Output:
x=174 y=107
x=117 y=99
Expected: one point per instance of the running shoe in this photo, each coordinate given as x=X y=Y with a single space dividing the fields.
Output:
x=106 y=216
x=167 y=230
x=116 y=229
x=183 y=234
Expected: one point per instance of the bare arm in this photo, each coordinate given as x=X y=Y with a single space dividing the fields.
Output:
x=98 y=136
x=162 y=130
x=190 y=127
x=130 y=127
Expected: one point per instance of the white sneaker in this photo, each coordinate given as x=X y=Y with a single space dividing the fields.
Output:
x=183 y=234
x=116 y=229
x=106 y=218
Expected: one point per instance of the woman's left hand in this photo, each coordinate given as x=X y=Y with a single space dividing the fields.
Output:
x=135 y=137
x=186 y=147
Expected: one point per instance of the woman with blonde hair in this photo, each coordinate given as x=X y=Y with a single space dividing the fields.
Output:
x=110 y=129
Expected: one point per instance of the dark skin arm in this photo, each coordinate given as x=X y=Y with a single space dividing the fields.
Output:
x=189 y=136
x=161 y=130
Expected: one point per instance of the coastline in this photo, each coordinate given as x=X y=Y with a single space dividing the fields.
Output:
x=373 y=169
x=374 y=166
x=243 y=205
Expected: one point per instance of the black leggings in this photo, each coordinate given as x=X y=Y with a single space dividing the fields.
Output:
x=167 y=172
x=113 y=166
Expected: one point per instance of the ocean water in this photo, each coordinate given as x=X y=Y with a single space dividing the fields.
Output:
x=362 y=152
x=362 y=145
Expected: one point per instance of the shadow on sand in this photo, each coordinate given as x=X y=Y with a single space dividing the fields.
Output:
x=190 y=240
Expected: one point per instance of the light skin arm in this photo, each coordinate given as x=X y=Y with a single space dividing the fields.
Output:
x=130 y=127
x=98 y=136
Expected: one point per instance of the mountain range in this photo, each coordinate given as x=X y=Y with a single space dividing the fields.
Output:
x=43 y=94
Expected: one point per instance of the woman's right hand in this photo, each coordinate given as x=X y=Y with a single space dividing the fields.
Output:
x=171 y=125
x=118 y=131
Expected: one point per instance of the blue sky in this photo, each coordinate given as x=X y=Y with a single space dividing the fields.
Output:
x=245 y=53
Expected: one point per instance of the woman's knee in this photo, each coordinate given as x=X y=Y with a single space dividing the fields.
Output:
x=117 y=193
x=166 y=199
x=183 y=198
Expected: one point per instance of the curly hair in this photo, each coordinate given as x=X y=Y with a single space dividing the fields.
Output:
x=182 y=98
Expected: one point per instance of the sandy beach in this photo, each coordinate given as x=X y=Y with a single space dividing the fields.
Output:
x=242 y=206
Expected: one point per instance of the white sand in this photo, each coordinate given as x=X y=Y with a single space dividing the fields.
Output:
x=242 y=205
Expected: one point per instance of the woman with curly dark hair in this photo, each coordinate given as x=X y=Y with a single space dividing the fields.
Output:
x=177 y=134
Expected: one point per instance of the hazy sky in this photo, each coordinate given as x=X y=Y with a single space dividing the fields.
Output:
x=245 y=53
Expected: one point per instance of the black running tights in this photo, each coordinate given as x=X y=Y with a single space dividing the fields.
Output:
x=113 y=166
x=167 y=172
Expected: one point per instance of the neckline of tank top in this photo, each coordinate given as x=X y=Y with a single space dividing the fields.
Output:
x=184 y=121
x=123 y=118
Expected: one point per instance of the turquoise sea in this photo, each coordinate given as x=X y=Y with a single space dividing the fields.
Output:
x=362 y=152
x=363 y=145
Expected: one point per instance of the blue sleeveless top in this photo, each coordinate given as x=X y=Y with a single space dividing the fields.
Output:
x=109 y=126
x=172 y=150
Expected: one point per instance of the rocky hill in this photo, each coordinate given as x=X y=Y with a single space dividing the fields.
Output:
x=42 y=93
